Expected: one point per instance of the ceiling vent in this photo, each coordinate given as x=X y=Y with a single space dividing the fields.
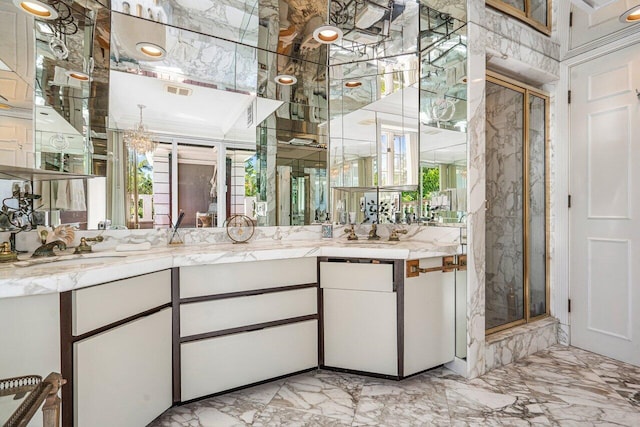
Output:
x=178 y=90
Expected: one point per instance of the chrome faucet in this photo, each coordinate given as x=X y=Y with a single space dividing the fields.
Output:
x=46 y=250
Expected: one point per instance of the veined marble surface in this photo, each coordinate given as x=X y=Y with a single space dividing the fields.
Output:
x=207 y=246
x=559 y=386
x=517 y=343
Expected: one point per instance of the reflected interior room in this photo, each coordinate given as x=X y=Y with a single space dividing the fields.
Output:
x=319 y=212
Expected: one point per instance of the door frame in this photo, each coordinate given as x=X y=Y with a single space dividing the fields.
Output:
x=526 y=91
x=561 y=280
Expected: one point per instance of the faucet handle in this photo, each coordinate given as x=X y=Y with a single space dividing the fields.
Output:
x=84 y=247
x=394 y=236
x=6 y=254
x=351 y=233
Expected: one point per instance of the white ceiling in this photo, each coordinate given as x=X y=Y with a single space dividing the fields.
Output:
x=208 y=113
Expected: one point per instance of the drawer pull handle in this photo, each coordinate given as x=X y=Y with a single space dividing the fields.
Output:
x=449 y=264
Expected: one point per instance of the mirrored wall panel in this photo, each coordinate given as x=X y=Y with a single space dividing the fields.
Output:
x=398 y=121
x=257 y=115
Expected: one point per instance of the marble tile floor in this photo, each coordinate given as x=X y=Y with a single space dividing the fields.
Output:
x=559 y=386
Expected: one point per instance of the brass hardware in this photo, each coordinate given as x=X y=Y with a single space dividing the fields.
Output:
x=84 y=247
x=462 y=263
x=46 y=250
x=6 y=255
x=352 y=233
x=373 y=233
x=394 y=236
x=40 y=392
x=448 y=265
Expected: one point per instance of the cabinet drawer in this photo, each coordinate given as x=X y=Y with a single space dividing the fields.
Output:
x=208 y=316
x=107 y=303
x=218 y=364
x=355 y=276
x=224 y=278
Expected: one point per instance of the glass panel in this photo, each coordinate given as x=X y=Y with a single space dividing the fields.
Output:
x=232 y=20
x=504 y=215
x=539 y=10
x=373 y=29
x=518 y=4
x=537 y=203
x=141 y=180
x=241 y=183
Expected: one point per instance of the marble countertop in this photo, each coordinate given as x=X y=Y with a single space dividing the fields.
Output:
x=67 y=271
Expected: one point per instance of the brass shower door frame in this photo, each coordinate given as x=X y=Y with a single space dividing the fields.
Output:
x=527 y=92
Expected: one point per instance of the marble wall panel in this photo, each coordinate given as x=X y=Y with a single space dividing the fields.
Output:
x=508 y=346
x=519 y=33
x=476 y=66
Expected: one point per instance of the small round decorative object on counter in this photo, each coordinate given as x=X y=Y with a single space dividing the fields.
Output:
x=240 y=228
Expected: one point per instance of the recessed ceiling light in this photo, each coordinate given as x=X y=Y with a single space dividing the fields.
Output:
x=286 y=79
x=78 y=75
x=40 y=10
x=327 y=34
x=630 y=16
x=5 y=106
x=151 y=50
x=352 y=83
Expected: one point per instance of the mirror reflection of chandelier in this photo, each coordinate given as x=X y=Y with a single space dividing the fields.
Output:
x=139 y=139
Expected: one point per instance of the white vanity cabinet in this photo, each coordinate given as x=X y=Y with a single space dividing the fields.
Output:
x=360 y=316
x=245 y=323
x=379 y=321
x=117 y=351
x=429 y=318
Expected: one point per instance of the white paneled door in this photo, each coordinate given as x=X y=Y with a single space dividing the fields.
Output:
x=605 y=211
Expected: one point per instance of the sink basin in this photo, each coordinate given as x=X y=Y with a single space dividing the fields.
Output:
x=57 y=262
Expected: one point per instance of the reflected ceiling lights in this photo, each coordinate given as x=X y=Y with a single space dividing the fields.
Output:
x=630 y=16
x=36 y=8
x=77 y=75
x=286 y=79
x=4 y=106
x=151 y=50
x=352 y=84
x=327 y=34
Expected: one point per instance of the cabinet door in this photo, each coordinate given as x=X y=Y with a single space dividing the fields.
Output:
x=360 y=331
x=123 y=376
x=429 y=319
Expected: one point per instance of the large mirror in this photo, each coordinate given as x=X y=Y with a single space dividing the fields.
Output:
x=227 y=137
x=244 y=112
x=398 y=114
